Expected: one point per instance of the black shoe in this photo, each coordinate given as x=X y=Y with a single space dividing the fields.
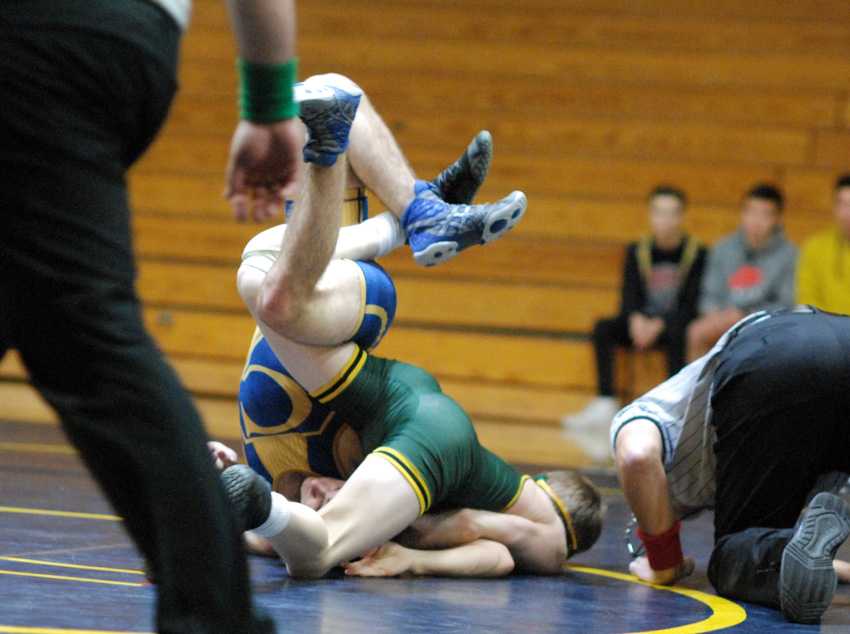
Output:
x=460 y=181
x=807 y=579
x=249 y=494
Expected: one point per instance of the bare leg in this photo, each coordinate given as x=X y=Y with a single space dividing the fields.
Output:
x=378 y=161
x=301 y=297
x=374 y=156
x=374 y=505
x=369 y=240
x=281 y=302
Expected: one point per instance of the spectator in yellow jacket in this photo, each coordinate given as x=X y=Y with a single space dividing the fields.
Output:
x=823 y=275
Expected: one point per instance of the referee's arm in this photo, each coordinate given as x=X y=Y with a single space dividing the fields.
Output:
x=639 y=456
x=265 y=29
x=265 y=153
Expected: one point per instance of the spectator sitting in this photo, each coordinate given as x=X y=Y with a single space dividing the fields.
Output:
x=751 y=270
x=823 y=276
x=661 y=282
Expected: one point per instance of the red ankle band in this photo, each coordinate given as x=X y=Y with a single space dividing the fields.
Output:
x=665 y=550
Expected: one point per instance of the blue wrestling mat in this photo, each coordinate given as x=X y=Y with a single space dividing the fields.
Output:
x=66 y=566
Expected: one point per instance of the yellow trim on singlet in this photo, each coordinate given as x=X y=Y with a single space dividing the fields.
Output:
x=256 y=338
x=301 y=405
x=343 y=378
x=515 y=498
x=361 y=277
x=381 y=313
x=410 y=473
x=565 y=514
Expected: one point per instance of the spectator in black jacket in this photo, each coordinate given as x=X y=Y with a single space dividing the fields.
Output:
x=661 y=283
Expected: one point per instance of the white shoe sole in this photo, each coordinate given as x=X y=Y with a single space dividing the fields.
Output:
x=497 y=224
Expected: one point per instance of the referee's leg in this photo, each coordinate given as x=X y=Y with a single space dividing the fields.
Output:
x=777 y=428
x=78 y=107
x=124 y=409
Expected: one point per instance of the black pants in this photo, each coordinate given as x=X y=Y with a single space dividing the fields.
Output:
x=610 y=333
x=782 y=414
x=85 y=86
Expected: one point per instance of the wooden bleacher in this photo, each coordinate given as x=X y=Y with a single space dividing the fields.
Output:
x=591 y=104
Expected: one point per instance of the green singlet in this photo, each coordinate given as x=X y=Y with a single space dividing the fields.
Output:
x=401 y=414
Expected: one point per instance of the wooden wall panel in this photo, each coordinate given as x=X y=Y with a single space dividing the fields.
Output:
x=591 y=104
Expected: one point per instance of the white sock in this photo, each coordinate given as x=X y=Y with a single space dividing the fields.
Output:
x=278 y=519
x=373 y=238
x=388 y=231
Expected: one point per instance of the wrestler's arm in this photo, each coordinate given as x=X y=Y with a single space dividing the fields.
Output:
x=638 y=455
x=532 y=544
x=265 y=152
x=441 y=530
x=481 y=558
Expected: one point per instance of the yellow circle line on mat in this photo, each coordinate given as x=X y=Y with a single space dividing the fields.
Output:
x=49 y=513
x=12 y=629
x=38 y=575
x=724 y=613
x=57 y=564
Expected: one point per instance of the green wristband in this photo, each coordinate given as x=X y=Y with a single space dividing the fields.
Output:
x=265 y=91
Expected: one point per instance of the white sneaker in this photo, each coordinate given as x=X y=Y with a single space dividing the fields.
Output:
x=598 y=414
x=594 y=442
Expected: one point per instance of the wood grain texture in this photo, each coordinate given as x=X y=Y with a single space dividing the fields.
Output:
x=591 y=103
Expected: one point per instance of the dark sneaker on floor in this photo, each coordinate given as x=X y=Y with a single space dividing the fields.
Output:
x=460 y=181
x=249 y=494
x=807 y=579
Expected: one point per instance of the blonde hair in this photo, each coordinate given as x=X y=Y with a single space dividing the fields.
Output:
x=579 y=505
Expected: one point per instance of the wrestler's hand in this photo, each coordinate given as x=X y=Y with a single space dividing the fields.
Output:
x=265 y=161
x=390 y=560
x=641 y=569
x=222 y=455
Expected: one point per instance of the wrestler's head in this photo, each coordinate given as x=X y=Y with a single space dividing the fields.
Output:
x=579 y=504
x=318 y=491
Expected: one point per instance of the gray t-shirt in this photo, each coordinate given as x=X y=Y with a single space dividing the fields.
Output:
x=749 y=280
x=681 y=409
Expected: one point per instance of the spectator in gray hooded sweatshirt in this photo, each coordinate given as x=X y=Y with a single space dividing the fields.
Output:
x=751 y=270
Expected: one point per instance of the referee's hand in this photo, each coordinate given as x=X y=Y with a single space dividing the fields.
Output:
x=265 y=161
x=641 y=569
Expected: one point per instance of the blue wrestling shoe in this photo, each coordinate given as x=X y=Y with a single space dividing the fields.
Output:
x=438 y=231
x=249 y=494
x=328 y=105
x=807 y=578
x=460 y=181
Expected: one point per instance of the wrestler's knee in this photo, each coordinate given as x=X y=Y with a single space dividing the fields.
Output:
x=336 y=79
x=249 y=280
